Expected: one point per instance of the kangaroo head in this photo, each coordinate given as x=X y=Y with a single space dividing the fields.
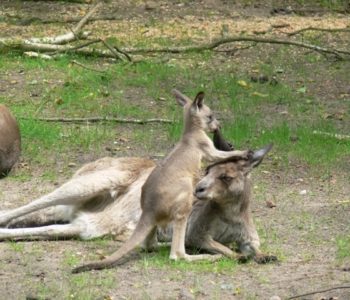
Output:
x=196 y=114
x=230 y=178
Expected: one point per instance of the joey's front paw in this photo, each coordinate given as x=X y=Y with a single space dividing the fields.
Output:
x=264 y=258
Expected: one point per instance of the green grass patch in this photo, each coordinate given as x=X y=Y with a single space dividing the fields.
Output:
x=343 y=247
x=16 y=247
x=254 y=115
x=160 y=259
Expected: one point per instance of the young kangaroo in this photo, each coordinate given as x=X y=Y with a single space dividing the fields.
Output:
x=10 y=141
x=167 y=194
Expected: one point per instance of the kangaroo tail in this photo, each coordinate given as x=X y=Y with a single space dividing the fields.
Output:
x=143 y=229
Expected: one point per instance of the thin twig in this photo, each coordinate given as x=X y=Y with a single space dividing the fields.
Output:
x=101 y=119
x=128 y=57
x=321 y=291
x=86 y=18
x=86 y=67
x=110 y=48
x=318 y=29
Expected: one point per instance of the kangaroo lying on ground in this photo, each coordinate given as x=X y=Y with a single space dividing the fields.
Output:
x=10 y=141
x=167 y=194
x=111 y=206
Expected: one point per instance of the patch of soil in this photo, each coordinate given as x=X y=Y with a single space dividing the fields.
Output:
x=302 y=230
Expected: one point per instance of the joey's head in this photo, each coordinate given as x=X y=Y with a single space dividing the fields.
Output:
x=196 y=114
x=228 y=179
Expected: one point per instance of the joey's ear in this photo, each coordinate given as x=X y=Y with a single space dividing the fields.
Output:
x=220 y=143
x=259 y=155
x=198 y=101
x=180 y=98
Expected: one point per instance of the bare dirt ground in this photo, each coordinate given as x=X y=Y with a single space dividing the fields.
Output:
x=311 y=211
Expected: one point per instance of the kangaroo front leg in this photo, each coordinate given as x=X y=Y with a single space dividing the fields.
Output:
x=215 y=247
x=212 y=155
x=47 y=232
x=74 y=192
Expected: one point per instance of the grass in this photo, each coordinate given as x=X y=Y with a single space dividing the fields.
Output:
x=343 y=247
x=254 y=115
x=160 y=260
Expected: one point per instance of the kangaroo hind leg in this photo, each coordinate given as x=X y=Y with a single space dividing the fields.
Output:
x=44 y=232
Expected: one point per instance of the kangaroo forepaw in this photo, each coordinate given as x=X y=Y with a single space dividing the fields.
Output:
x=242 y=259
x=264 y=259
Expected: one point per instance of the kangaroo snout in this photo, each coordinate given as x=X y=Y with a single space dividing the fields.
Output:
x=200 y=192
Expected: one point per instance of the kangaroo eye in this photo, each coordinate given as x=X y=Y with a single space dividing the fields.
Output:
x=225 y=178
x=210 y=117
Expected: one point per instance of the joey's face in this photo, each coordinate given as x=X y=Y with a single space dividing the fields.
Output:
x=221 y=182
x=206 y=119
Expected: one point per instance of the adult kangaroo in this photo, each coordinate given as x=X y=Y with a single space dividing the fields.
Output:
x=103 y=198
x=10 y=141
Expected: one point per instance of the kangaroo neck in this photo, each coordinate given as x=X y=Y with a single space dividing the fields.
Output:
x=192 y=128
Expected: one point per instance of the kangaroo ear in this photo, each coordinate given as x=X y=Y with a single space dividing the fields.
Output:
x=220 y=143
x=180 y=98
x=259 y=155
x=198 y=101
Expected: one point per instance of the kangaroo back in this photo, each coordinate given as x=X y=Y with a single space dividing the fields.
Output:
x=10 y=141
x=143 y=229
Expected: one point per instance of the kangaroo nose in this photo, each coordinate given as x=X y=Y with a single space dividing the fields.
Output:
x=199 y=189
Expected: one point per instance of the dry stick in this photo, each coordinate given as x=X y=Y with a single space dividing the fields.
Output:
x=114 y=52
x=321 y=291
x=24 y=45
x=333 y=135
x=100 y=119
x=218 y=42
x=86 y=67
x=128 y=57
x=77 y=47
x=318 y=29
x=84 y=20
x=74 y=34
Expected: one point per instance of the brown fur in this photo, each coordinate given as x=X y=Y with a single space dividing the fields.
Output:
x=222 y=217
x=167 y=194
x=10 y=141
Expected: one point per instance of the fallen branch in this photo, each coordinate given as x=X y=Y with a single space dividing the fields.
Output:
x=54 y=44
x=100 y=119
x=84 y=20
x=110 y=48
x=318 y=29
x=321 y=291
x=333 y=135
x=219 y=42
x=86 y=67
x=60 y=39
